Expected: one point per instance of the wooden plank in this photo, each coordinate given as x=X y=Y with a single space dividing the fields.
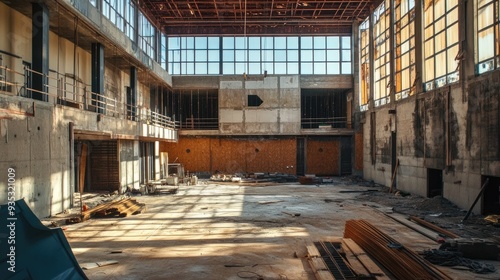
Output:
x=86 y=214
x=365 y=260
x=312 y=251
x=434 y=227
x=317 y=263
x=355 y=263
x=420 y=229
x=324 y=275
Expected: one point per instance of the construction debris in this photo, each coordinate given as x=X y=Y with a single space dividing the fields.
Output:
x=402 y=262
x=119 y=208
x=254 y=178
x=433 y=227
x=291 y=214
x=455 y=259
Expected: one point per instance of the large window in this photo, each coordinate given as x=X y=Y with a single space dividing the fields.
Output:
x=404 y=30
x=193 y=55
x=259 y=55
x=163 y=51
x=364 y=37
x=440 y=43
x=146 y=35
x=381 y=55
x=114 y=10
x=488 y=25
x=325 y=55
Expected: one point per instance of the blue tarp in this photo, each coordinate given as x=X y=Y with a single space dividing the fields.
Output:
x=30 y=250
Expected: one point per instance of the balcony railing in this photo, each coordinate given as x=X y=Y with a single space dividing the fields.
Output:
x=200 y=123
x=68 y=91
x=325 y=123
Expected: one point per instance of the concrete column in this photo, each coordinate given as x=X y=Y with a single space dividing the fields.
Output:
x=466 y=20
x=98 y=77
x=40 y=50
x=419 y=39
x=355 y=67
x=132 y=96
x=371 y=47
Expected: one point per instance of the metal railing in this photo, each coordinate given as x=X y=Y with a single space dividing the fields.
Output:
x=200 y=123
x=334 y=122
x=68 y=91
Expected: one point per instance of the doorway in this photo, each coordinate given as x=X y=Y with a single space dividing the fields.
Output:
x=434 y=182
x=491 y=199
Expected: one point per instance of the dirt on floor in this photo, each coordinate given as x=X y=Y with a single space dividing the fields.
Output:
x=253 y=231
x=436 y=210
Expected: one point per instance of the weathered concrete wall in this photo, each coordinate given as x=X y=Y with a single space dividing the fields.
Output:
x=129 y=164
x=94 y=18
x=278 y=114
x=380 y=171
x=449 y=129
x=38 y=149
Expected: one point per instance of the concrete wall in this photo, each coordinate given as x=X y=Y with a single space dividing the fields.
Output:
x=38 y=149
x=278 y=114
x=34 y=135
x=129 y=164
x=450 y=129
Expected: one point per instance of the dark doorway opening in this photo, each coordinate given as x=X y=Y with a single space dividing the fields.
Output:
x=346 y=156
x=434 y=182
x=491 y=196
x=301 y=157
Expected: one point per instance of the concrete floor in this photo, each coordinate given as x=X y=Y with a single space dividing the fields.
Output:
x=215 y=231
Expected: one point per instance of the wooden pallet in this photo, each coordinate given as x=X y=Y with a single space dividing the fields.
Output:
x=121 y=208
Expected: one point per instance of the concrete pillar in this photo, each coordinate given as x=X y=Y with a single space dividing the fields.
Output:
x=371 y=47
x=355 y=67
x=132 y=95
x=419 y=38
x=98 y=77
x=40 y=50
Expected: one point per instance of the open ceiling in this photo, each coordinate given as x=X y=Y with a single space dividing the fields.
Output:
x=259 y=17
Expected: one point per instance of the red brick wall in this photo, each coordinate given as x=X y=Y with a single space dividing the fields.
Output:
x=322 y=157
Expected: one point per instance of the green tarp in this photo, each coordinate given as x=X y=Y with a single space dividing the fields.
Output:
x=30 y=250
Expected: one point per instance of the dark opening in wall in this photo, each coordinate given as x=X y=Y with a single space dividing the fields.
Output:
x=196 y=109
x=434 y=182
x=491 y=199
x=324 y=108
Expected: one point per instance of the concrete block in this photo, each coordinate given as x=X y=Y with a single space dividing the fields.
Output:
x=230 y=116
x=289 y=82
x=290 y=98
x=290 y=115
x=231 y=128
x=231 y=85
x=270 y=97
x=235 y=98
x=261 y=116
x=262 y=128
x=291 y=128
x=266 y=83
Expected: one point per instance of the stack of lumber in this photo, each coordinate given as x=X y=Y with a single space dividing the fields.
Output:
x=402 y=262
x=120 y=208
x=354 y=262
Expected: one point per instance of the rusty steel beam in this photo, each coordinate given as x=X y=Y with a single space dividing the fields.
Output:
x=402 y=262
